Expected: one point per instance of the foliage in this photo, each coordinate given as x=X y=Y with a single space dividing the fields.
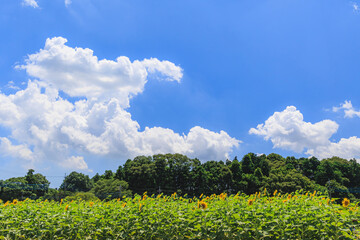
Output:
x=86 y=196
x=167 y=173
x=111 y=188
x=76 y=182
x=31 y=186
x=259 y=216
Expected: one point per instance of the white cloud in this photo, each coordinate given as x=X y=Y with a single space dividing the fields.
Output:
x=206 y=144
x=287 y=130
x=30 y=3
x=76 y=163
x=55 y=128
x=12 y=85
x=348 y=108
x=16 y=151
x=355 y=7
x=77 y=72
x=67 y=2
x=346 y=148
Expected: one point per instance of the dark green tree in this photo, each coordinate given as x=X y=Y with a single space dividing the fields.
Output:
x=140 y=174
x=76 y=182
x=120 y=173
x=247 y=164
x=108 y=174
x=110 y=188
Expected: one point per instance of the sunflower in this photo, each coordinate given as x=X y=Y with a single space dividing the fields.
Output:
x=345 y=202
x=250 y=201
x=202 y=205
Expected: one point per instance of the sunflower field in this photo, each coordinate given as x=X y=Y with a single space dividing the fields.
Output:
x=258 y=216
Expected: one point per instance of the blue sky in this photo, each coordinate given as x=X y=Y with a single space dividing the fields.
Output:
x=195 y=77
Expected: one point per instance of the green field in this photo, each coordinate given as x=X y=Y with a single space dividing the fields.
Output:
x=259 y=216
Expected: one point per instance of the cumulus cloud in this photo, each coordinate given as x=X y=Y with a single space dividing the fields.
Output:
x=16 y=151
x=287 y=130
x=98 y=124
x=77 y=163
x=79 y=73
x=348 y=109
x=30 y=3
x=346 y=148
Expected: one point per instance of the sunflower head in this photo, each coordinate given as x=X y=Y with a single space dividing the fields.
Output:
x=345 y=202
x=250 y=201
x=202 y=205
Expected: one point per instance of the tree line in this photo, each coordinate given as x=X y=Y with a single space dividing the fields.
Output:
x=169 y=173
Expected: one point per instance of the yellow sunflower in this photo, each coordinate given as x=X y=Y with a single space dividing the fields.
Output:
x=345 y=202
x=202 y=205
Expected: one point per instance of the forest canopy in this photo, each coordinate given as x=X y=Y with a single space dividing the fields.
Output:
x=169 y=173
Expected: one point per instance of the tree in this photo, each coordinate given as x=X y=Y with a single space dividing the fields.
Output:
x=235 y=168
x=219 y=177
x=15 y=188
x=250 y=183
x=247 y=164
x=140 y=174
x=336 y=190
x=199 y=178
x=96 y=178
x=110 y=188
x=309 y=166
x=108 y=174
x=161 y=171
x=30 y=186
x=120 y=173
x=37 y=183
x=289 y=181
x=76 y=182
x=179 y=171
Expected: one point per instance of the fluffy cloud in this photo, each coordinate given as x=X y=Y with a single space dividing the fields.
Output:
x=30 y=3
x=98 y=124
x=287 y=130
x=75 y=163
x=17 y=151
x=346 y=148
x=348 y=108
x=79 y=73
